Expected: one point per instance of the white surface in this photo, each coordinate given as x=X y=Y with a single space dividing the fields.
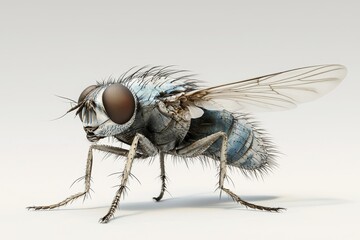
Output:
x=61 y=47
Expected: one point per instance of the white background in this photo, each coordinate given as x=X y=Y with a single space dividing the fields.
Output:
x=61 y=47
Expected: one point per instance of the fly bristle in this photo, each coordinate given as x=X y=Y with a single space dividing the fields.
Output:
x=156 y=75
x=271 y=152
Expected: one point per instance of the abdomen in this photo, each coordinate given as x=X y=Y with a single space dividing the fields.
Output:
x=247 y=148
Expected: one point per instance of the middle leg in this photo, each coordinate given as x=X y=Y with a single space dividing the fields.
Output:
x=162 y=177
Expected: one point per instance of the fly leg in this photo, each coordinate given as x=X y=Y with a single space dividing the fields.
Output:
x=150 y=150
x=162 y=177
x=235 y=197
x=116 y=150
x=201 y=146
x=110 y=149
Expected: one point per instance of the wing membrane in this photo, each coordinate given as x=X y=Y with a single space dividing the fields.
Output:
x=271 y=92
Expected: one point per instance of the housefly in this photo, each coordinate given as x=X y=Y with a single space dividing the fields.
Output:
x=158 y=111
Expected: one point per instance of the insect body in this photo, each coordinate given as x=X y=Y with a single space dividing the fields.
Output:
x=247 y=147
x=159 y=111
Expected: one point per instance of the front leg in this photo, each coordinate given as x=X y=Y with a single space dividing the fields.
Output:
x=89 y=162
x=150 y=150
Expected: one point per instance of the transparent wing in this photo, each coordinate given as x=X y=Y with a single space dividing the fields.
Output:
x=276 y=91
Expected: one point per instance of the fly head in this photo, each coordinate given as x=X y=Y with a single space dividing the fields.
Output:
x=106 y=110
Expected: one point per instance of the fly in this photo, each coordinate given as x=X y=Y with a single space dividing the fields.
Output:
x=159 y=111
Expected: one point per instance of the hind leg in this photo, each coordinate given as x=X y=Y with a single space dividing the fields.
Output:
x=235 y=197
x=201 y=146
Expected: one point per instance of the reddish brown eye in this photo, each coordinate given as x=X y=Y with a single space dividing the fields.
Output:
x=86 y=92
x=119 y=103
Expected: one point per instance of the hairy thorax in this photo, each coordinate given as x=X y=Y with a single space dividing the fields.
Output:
x=164 y=127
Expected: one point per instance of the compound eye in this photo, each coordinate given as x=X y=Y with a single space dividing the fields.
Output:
x=86 y=92
x=119 y=103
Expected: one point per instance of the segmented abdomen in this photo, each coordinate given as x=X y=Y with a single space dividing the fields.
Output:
x=247 y=147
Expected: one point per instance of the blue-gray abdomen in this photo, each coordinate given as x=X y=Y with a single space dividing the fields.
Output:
x=247 y=147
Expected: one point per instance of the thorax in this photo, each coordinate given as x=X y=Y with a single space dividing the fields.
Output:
x=163 y=125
